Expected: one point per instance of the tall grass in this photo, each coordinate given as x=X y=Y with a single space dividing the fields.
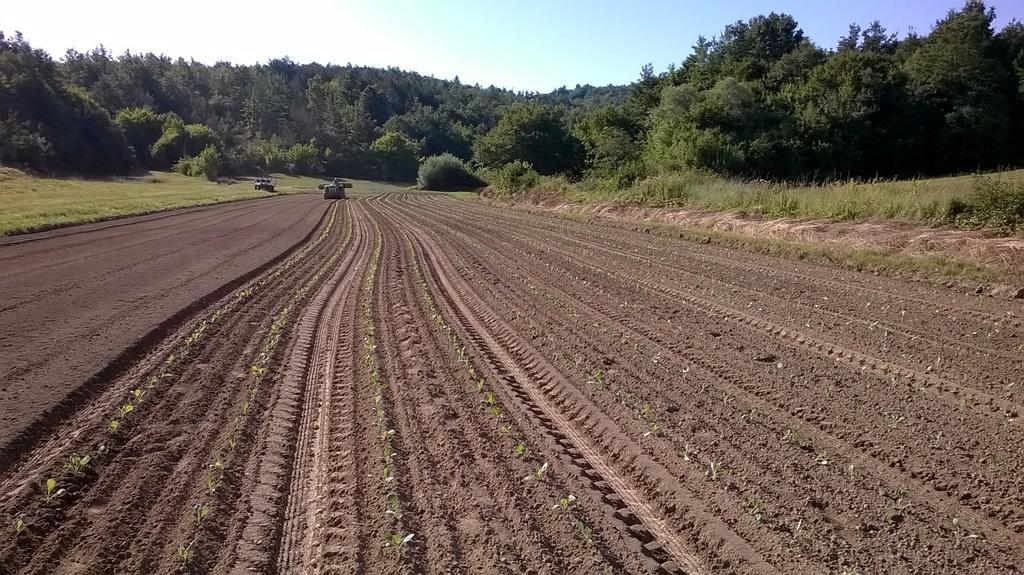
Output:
x=31 y=203
x=935 y=200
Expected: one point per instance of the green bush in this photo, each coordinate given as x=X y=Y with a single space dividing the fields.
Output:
x=180 y=140
x=21 y=144
x=446 y=172
x=304 y=159
x=992 y=203
x=142 y=127
x=514 y=178
x=207 y=164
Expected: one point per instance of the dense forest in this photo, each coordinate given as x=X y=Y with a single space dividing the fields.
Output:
x=759 y=100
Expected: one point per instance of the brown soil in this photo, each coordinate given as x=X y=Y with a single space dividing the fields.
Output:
x=431 y=386
x=75 y=301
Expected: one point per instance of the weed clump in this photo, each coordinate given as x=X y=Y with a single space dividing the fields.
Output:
x=206 y=165
x=992 y=203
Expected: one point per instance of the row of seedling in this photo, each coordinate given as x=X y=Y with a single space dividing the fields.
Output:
x=488 y=398
x=79 y=462
x=258 y=370
x=216 y=469
x=567 y=504
x=396 y=537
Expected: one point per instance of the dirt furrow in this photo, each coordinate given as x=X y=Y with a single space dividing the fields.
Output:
x=253 y=539
x=146 y=467
x=58 y=351
x=428 y=385
x=505 y=248
x=869 y=330
x=924 y=302
x=679 y=556
x=478 y=530
x=322 y=363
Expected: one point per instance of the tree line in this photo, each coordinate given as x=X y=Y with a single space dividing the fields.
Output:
x=759 y=100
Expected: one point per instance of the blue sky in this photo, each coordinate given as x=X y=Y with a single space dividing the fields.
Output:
x=533 y=45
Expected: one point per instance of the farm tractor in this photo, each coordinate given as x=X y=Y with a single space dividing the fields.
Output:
x=335 y=189
x=265 y=184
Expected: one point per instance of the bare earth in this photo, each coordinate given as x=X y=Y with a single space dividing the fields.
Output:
x=426 y=385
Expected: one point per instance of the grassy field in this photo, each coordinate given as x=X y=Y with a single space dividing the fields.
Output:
x=927 y=200
x=31 y=203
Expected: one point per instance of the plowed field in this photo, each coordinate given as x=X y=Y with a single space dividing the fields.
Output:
x=407 y=383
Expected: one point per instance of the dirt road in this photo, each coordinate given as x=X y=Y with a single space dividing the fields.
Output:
x=427 y=385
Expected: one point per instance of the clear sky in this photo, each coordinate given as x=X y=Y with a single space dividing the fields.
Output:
x=535 y=45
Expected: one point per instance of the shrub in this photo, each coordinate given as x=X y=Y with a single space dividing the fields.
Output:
x=180 y=140
x=992 y=203
x=514 y=178
x=446 y=172
x=207 y=164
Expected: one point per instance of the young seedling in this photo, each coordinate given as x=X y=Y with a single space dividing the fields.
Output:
x=653 y=430
x=398 y=542
x=565 y=503
x=51 y=493
x=539 y=473
x=520 y=449
x=587 y=534
x=19 y=526
x=393 y=507
x=897 y=503
x=76 y=463
x=960 y=535
x=717 y=470
x=113 y=425
x=753 y=505
x=126 y=409
x=185 y=553
x=201 y=512
x=213 y=475
x=793 y=437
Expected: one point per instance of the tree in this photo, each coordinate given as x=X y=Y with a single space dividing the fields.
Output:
x=850 y=113
x=399 y=156
x=745 y=50
x=721 y=129
x=142 y=127
x=612 y=140
x=965 y=90
x=434 y=130
x=50 y=124
x=533 y=134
